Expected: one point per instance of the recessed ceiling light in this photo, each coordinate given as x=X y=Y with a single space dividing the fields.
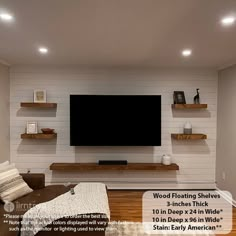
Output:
x=186 y=52
x=6 y=17
x=43 y=50
x=228 y=20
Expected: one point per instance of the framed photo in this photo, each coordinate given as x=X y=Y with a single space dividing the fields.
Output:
x=40 y=96
x=179 y=97
x=32 y=127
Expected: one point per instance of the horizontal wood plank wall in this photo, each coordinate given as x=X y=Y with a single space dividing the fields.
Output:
x=196 y=158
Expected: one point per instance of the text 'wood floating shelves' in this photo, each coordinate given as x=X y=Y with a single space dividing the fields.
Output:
x=39 y=136
x=38 y=105
x=189 y=136
x=189 y=106
x=129 y=167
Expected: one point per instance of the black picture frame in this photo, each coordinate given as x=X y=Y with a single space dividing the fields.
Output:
x=179 y=97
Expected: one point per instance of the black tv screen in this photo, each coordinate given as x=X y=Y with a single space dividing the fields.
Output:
x=115 y=120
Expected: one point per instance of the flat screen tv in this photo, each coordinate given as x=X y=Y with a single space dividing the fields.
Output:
x=115 y=120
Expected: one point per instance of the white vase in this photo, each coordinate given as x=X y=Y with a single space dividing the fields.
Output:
x=166 y=159
x=187 y=128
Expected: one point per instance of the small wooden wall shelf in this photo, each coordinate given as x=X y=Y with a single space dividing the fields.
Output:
x=39 y=136
x=188 y=136
x=189 y=106
x=129 y=166
x=38 y=105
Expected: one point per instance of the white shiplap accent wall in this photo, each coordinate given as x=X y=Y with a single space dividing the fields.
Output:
x=195 y=158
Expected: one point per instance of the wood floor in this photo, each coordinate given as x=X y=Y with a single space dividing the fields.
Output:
x=127 y=206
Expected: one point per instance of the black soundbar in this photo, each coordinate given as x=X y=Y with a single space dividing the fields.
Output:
x=113 y=162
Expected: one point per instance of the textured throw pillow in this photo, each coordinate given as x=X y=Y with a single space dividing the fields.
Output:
x=12 y=186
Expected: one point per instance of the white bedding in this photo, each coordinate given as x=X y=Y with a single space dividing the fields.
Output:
x=88 y=198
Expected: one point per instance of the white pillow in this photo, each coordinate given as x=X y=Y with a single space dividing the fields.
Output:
x=7 y=167
x=6 y=163
x=12 y=185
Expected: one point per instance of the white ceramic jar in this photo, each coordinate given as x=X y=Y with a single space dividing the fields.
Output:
x=187 y=128
x=166 y=159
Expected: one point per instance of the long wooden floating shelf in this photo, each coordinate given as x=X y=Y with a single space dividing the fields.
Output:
x=189 y=106
x=39 y=136
x=188 y=136
x=129 y=166
x=39 y=105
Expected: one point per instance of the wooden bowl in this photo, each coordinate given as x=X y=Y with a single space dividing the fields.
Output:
x=47 y=131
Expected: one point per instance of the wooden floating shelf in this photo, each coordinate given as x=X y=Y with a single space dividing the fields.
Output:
x=189 y=106
x=39 y=105
x=39 y=136
x=129 y=166
x=188 y=136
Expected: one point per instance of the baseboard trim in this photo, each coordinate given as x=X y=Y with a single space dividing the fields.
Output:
x=151 y=185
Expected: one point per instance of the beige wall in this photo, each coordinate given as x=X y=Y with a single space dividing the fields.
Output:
x=4 y=114
x=196 y=159
x=226 y=130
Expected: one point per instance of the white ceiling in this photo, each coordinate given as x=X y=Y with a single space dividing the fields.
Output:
x=144 y=33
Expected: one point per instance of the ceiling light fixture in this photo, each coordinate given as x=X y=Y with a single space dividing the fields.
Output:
x=186 y=52
x=228 y=21
x=6 y=17
x=43 y=50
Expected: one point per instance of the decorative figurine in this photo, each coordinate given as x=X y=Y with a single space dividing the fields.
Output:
x=196 y=98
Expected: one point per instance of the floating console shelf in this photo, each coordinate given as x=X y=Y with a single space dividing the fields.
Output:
x=129 y=166
x=38 y=105
x=39 y=136
x=188 y=136
x=189 y=106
